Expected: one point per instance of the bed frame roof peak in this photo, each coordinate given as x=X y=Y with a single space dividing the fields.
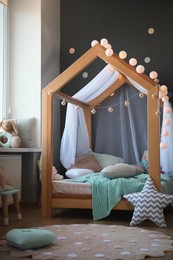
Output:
x=98 y=51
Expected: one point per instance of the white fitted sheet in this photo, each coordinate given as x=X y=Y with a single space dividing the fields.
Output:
x=67 y=187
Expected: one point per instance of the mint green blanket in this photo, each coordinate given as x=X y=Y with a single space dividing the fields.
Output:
x=107 y=193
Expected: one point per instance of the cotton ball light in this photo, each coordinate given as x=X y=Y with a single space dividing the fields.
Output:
x=104 y=41
x=163 y=88
x=140 y=69
x=165 y=99
x=167 y=122
x=94 y=42
x=133 y=62
x=161 y=94
x=165 y=133
x=163 y=145
x=167 y=110
x=110 y=67
x=153 y=75
x=108 y=46
x=109 y=52
x=122 y=54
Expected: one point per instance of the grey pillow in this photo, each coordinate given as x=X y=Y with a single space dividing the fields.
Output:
x=121 y=170
x=27 y=131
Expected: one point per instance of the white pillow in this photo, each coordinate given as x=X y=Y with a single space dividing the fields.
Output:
x=27 y=131
x=121 y=170
x=77 y=172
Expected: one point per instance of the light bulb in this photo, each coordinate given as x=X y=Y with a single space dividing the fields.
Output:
x=110 y=109
x=63 y=102
x=126 y=103
x=141 y=95
x=93 y=111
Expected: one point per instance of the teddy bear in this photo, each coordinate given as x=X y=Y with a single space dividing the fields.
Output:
x=56 y=175
x=9 y=134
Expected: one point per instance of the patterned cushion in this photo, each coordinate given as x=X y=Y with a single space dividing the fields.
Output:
x=149 y=204
x=87 y=162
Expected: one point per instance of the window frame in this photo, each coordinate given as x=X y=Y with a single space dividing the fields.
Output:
x=4 y=88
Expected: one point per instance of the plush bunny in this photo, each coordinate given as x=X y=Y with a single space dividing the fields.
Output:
x=9 y=134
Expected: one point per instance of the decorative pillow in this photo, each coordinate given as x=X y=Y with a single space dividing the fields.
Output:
x=121 y=170
x=72 y=173
x=29 y=238
x=144 y=161
x=27 y=131
x=107 y=159
x=87 y=162
x=149 y=204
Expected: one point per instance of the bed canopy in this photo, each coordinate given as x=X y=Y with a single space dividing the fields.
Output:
x=77 y=133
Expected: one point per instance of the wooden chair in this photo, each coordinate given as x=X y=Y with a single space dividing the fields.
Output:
x=15 y=194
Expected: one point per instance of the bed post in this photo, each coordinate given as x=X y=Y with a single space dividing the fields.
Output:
x=87 y=113
x=46 y=182
x=154 y=135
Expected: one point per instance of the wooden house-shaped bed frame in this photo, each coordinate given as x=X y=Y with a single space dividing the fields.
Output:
x=50 y=201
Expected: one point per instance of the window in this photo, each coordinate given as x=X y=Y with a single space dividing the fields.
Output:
x=3 y=60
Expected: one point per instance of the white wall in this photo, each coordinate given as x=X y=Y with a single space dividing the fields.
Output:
x=25 y=61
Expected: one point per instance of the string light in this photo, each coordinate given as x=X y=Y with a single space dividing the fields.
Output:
x=126 y=103
x=93 y=111
x=141 y=95
x=110 y=110
x=63 y=102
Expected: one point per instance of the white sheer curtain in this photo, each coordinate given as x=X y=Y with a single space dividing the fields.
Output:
x=75 y=140
x=122 y=132
x=166 y=155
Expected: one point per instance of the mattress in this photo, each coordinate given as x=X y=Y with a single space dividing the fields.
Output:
x=67 y=187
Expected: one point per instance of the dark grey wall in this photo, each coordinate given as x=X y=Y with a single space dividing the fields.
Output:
x=125 y=24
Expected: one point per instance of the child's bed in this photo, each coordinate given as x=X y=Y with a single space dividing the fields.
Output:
x=79 y=195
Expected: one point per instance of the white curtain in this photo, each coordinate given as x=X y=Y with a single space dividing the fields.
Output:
x=166 y=155
x=75 y=140
x=123 y=132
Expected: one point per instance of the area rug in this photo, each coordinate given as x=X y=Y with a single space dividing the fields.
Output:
x=94 y=241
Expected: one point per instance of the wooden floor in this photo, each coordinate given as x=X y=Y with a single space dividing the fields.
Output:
x=31 y=217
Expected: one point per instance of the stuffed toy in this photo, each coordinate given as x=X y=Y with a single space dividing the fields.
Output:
x=9 y=134
x=4 y=182
x=56 y=175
